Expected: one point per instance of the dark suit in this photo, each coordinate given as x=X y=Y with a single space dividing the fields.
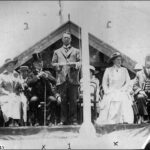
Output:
x=137 y=87
x=67 y=81
x=40 y=89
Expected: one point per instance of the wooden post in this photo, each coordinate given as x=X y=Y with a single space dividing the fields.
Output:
x=87 y=129
x=45 y=104
x=60 y=12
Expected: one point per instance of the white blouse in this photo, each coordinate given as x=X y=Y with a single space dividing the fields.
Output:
x=115 y=79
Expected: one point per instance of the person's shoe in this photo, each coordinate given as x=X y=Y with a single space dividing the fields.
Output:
x=60 y=124
x=140 y=120
x=25 y=124
x=36 y=124
x=75 y=123
x=11 y=125
x=16 y=124
x=145 y=121
x=51 y=124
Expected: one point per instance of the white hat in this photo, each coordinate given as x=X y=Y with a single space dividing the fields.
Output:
x=92 y=68
x=9 y=60
x=23 y=68
x=138 y=67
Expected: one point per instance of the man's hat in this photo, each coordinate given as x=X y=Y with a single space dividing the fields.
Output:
x=96 y=72
x=113 y=56
x=147 y=58
x=37 y=57
x=23 y=68
x=8 y=61
x=138 y=67
x=92 y=68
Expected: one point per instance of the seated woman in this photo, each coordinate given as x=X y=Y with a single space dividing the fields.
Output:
x=24 y=93
x=116 y=105
x=9 y=94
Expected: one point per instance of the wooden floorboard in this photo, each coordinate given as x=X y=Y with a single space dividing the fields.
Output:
x=100 y=129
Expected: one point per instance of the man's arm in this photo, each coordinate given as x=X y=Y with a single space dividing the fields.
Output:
x=105 y=81
x=55 y=63
x=127 y=80
x=78 y=59
x=50 y=77
x=2 y=90
x=136 y=86
x=32 y=79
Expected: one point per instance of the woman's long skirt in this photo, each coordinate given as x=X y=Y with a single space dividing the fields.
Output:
x=116 y=107
x=10 y=106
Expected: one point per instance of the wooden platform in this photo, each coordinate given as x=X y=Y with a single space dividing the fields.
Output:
x=127 y=136
x=28 y=130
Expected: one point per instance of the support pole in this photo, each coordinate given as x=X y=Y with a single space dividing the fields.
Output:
x=60 y=12
x=87 y=129
x=45 y=104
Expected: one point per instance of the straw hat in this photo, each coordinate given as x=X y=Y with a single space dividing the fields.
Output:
x=8 y=61
x=138 y=67
x=92 y=68
x=23 y=68
x=147 y=58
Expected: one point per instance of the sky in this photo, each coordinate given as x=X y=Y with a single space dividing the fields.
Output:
x=24 y=23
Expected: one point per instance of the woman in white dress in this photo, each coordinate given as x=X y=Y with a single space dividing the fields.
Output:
x=116 y=105
x=10 y=100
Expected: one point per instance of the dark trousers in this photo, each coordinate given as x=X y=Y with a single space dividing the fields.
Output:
x=33 y=112
x=69 y=96
x=53 y=113
x=141 y=104
x=1 y=118
x=36 y=110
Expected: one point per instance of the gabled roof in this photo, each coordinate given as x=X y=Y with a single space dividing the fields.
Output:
x=75 y=30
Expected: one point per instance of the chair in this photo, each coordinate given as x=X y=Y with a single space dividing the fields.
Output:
x=93 y=88
x=51 y=105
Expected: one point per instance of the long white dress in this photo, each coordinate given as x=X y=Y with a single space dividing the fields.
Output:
x=10 y=102
x=116 y=105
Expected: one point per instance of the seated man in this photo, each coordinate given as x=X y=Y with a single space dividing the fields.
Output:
x=95 y=90
x=142 y=91
x=138 y=67
x=41 y=90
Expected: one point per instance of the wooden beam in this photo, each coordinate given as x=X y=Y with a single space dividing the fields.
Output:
x=108 y=51
x=41 y=45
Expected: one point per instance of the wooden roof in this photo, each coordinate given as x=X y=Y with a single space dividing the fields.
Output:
x=75 y=30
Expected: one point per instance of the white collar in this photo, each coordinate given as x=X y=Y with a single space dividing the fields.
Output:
x=67 y=47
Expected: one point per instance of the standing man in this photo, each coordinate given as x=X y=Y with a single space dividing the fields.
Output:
x=141 y=89
x=66 y=61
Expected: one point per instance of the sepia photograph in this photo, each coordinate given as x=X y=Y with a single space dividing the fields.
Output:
x=74 y=75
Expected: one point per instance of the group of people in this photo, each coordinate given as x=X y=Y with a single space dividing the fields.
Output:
x=125 y=100
x=34 y=96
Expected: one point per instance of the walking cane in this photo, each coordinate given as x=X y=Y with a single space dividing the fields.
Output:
x=45 y=104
